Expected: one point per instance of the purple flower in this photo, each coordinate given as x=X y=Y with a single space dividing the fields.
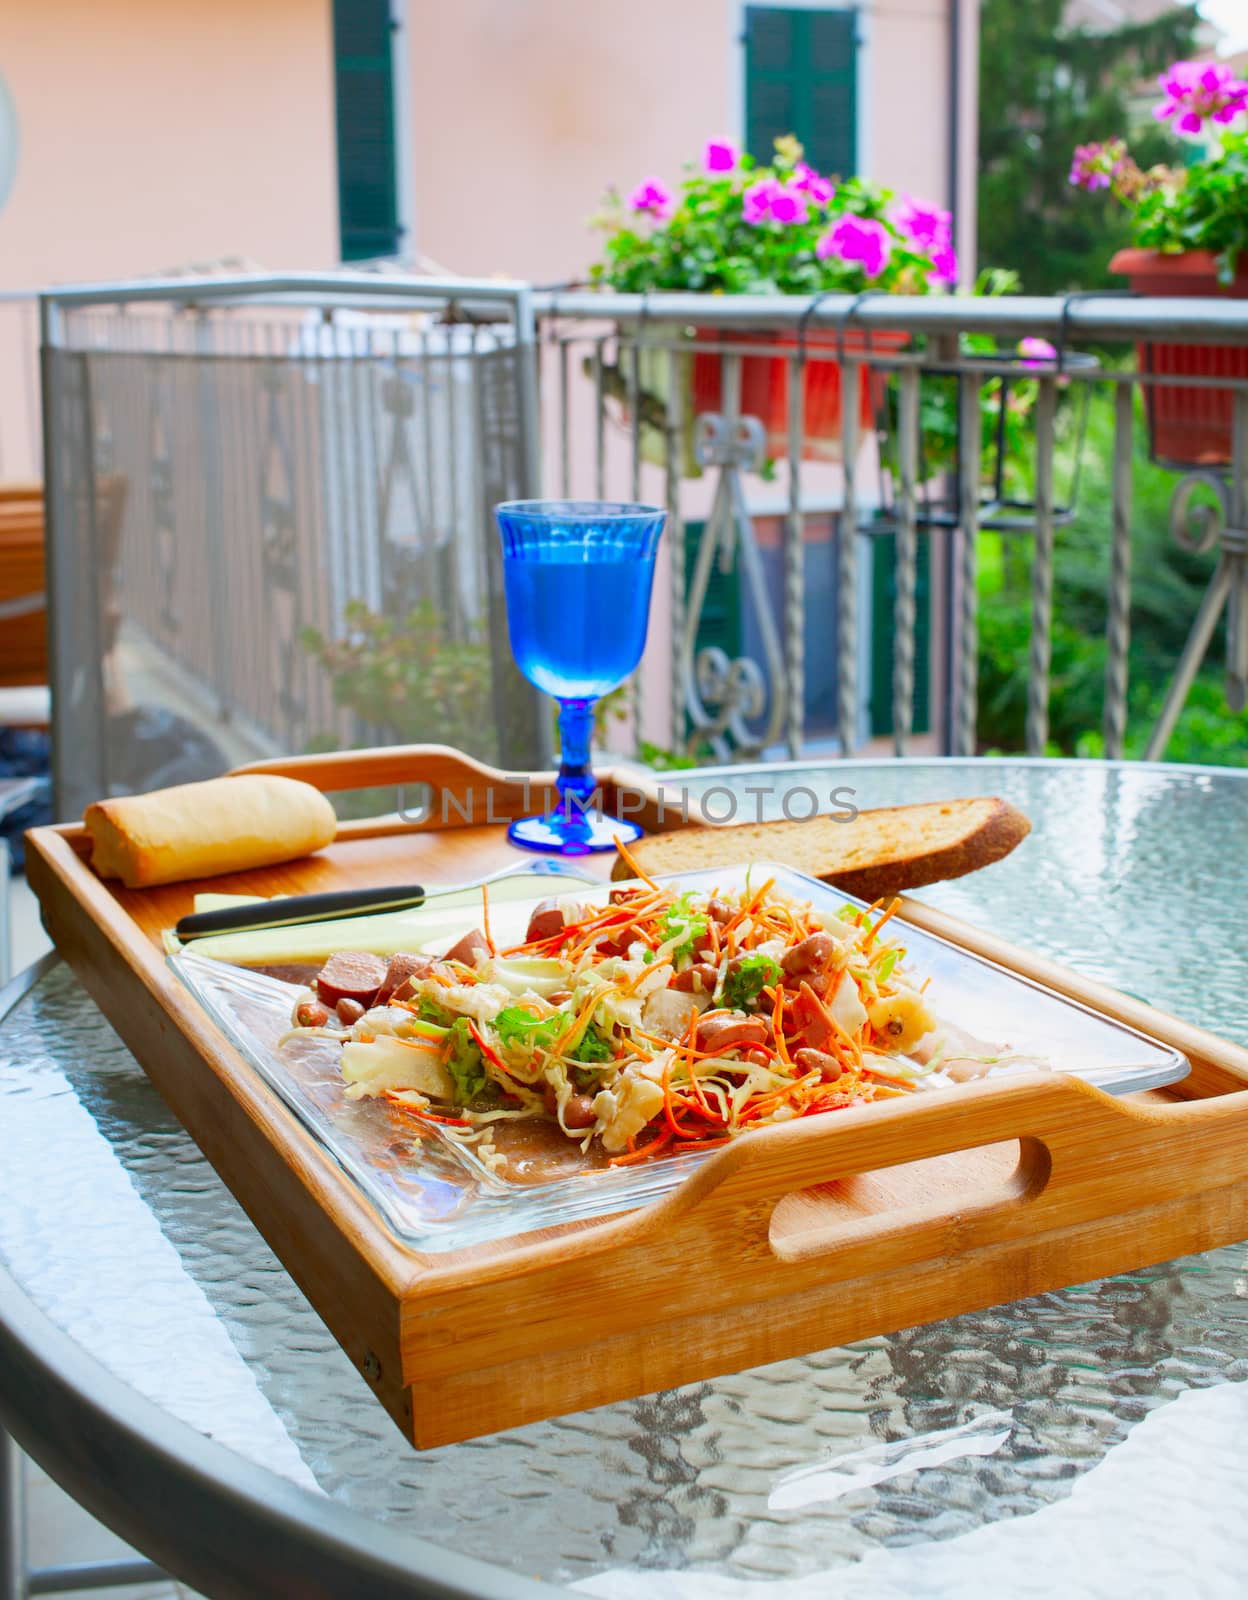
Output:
x=720 y=156
x=756 y=201
x=1199 y=90
x=1095 y=166
x=924 y=225
x=856 y=239
x=1036 y=352
x=788 y=204
x=818 y=190
x=654 y=196
x=944 y=271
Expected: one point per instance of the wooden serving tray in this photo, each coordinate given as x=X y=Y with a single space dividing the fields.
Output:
x=796 y=1238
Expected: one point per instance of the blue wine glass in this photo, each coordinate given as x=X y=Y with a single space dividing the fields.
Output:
x=578 y=575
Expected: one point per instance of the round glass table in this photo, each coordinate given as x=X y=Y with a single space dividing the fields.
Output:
x=156 y=1357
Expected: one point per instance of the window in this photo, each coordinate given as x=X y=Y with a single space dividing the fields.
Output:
x=801 y=77
x=368 y=211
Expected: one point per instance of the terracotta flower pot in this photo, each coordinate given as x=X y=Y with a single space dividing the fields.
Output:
x=765 y=385
x=1187 y=427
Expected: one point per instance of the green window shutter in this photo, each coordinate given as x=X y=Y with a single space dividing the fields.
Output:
x=801 y=77
x=883 y=635
x=720 y=622
x=368 y=213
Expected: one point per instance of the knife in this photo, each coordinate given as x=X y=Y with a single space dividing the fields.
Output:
x=295 y=909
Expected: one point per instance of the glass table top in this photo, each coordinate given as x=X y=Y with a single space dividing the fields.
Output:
x=1086 y=1441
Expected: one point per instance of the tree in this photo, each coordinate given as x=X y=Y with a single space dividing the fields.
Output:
x=1045 y=88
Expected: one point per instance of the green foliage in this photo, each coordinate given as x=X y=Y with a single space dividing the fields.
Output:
x=1206 y=210
x=465 y=1063
x=707 y=244
x=747 y=979
x=1044 y=89
x=401 y=676
x=1166 y=588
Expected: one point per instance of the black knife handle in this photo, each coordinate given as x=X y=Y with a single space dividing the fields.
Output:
x=299 y=908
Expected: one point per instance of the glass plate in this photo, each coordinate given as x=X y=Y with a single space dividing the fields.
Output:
x=437 y=1195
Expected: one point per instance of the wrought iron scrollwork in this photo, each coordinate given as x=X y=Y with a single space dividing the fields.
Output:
x=723 y=695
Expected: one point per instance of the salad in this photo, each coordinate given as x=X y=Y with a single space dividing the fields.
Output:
x=662 y=1021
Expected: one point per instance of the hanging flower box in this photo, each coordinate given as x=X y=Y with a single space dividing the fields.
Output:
x=1187 y=426
x=738 y=228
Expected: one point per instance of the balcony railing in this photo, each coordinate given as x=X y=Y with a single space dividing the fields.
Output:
x=253 y=482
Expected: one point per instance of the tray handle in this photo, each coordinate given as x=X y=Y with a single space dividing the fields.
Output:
x=1071 y=1141
x=466 y=792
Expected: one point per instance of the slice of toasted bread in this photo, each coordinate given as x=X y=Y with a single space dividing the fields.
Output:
x=873 y=854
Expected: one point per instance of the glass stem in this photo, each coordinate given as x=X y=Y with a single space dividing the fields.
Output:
x=576 y=779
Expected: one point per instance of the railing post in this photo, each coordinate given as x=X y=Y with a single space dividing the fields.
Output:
x=904 y=607
x=967 y=697
x=1042 y=574
x=847 y=567
x=795 y=567
x=675 y=538
x=1119 y=625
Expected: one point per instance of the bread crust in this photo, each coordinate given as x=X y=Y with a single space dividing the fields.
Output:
x=196 y=830
x=897 y=841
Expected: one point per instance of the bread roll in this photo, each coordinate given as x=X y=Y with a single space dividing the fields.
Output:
x=199 y=829
x=876 y=853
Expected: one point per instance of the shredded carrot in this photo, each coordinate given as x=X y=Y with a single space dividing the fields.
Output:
x=485 y=919
x=631 y=863
x=870 y=939
x=644 y=1152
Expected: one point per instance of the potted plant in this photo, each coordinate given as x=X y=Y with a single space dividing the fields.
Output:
x=1190 y=228
x=736 y=227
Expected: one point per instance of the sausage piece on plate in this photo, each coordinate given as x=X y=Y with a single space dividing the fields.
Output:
x=351 y=975
x=469 y=949
x=401 y=968
x=546 y=921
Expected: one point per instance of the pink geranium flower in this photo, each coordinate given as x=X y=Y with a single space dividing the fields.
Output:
x=721 y=155
x=1199 y=91
x=756 y=201
x=922 y=224
x=653 y=196
x=819 y=190
x=1095 y=166
x=1036 y=352
x=853 y=239
x=944 y=271
x=788 y=204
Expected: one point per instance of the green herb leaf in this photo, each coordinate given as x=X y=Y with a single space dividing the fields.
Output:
x=746 y=981
x=680 y=918
x=593 y=1045
x=516 y=1025
x=431 y=1011
x=465 y=1062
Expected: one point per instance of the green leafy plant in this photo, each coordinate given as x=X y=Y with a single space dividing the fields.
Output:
x=1202 y=206
x=740 y=228
x=404 y=678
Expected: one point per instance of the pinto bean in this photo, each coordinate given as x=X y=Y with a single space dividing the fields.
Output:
x=310 y=1014
x=810 y=955
x=469 y=949
x=547 y=920
x=351 y=975
x=349 y=1011
x=698 y=979
x=719 y=911
x=727 y=1033
x=579 y=1111
x=401 y=970
x=819 y=1061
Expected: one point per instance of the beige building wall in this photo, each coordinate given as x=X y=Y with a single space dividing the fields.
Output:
x=153 y=135
x=521 y=115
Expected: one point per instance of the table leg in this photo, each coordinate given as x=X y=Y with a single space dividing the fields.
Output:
x=12 y=1521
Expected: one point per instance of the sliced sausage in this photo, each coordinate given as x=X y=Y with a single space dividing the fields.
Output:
x=621 y=897
x=401 y=970
x=469 y=949
x=546 y=921
x=811 y=955
x=351 y=975
x=819 y=1061
x=349 y=1011
x=729 y=1033
x=698 y=979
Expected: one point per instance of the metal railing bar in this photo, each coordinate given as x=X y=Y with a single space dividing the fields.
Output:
x=675 y=539
x=1042 y=574
x=967 y=700
x=847 y=565
x=906 y=569
x=1118 y=628
x=794 y=564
